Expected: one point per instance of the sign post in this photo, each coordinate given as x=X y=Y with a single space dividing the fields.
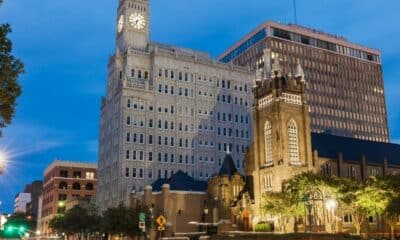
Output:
x=142 y=223
x=161 y=221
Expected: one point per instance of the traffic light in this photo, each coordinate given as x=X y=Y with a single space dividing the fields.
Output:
x=15 y=230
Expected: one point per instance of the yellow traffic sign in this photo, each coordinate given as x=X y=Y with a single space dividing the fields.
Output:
x=160 y=228
x=161 y=220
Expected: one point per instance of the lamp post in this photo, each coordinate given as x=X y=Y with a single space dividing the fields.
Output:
x=205 y=211
x=331 y=205
x=309 y=207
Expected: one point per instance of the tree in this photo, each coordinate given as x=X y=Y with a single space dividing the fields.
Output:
x=77 y=221
x=392 y=209
x=280 y=204
x=391 y=215
x=350 y=192
x=124 y=221
x=10 y=69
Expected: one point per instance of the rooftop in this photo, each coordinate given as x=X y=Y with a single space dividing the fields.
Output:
x=180 y=181
x=62 y=163
x=310 y=32
x=228 y=166
x=330 y=146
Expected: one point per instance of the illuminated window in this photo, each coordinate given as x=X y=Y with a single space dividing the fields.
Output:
x=293 y=143
x=89 y=175
x=268 y=143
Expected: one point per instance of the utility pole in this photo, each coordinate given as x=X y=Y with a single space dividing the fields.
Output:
x=295 y=11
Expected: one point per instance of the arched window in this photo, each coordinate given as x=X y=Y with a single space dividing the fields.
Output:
x=63 y=185
x=268 y=143
x=268 y=181
x=89 y=186
x=293 y=143
x=76 y=186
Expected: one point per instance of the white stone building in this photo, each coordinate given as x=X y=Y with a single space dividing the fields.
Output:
x=20 y=202
x=167 y=109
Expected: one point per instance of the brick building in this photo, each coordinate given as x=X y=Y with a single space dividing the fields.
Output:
x=65 y=181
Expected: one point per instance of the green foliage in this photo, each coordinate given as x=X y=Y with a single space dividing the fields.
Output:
x=125 y=221
x=264 y=227
x=371 y=197
x=76 y=221
x=10 y=69
x=281 y=203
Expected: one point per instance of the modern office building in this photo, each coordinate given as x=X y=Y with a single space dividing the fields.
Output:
x=167 y=109
x=35 y=189
x=20 y=202
x=345 y=85
x=64 y=181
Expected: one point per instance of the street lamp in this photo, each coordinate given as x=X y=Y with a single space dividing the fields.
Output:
x=309 y=207
x=331 y=205
x=3 y=159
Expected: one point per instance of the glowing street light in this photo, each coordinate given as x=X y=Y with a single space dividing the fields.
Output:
x=3 y=160
x=331 y=205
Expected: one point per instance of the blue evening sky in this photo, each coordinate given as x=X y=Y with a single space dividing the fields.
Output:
x=65 y=45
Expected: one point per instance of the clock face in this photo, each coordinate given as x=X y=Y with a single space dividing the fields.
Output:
x=137 y=20
x=120 y=23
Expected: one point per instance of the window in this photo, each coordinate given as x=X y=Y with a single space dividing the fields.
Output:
x=347 y=218
x=127 y=157
x=76 y=186
x=64 y=173
x=63 y=185
x=268 y=182
x=62 y=197
x=89 y=186
x=134 y=172
x=128 y=120
x=89 y=175
x=268 y=143
x=293 y=143
x=77 y=174
x=327 y=170
x=140 y=172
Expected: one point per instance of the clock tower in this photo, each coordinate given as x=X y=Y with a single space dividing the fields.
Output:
x=133 y=24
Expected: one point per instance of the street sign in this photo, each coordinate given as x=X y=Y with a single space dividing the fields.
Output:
x=142 y=225
x=161 y=220
x=142 y=217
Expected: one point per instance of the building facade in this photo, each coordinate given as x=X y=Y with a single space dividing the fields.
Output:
x=63 y=182
x=284 y=146
x=21 y=201
x=166 y=109
x=35 y=189
x=345 y=84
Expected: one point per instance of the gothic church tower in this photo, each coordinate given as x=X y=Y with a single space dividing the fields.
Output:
x=281 y=124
